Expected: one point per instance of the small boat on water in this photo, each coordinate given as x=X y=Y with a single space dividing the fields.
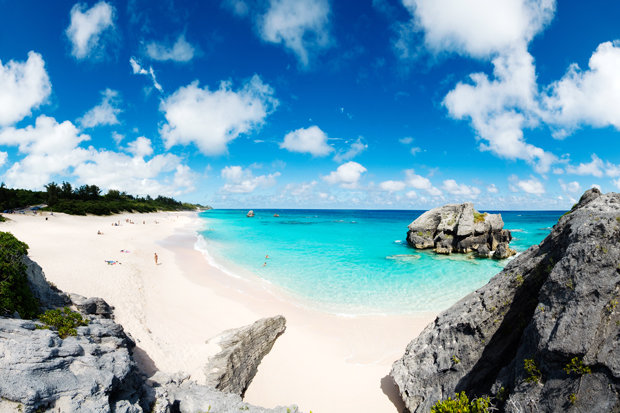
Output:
x=276 y=215
x=250 y=214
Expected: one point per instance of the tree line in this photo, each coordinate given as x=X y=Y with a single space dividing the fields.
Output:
x=86 y=199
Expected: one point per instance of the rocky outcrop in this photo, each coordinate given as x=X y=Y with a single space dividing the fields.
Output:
x=47 y=294
x=178 y=394
x=460 y=228
x=92 y=306
x=542 y=335
x=95 y=371
x=92 y=371
x=241 y=350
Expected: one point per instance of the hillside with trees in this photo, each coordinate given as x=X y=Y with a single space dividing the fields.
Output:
x=87 y=199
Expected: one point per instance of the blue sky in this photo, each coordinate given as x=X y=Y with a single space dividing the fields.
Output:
x=314 y=103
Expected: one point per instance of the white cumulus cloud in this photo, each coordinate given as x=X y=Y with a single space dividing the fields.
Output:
x=104 y=113
x=454 y=188
x=571 y=187
x=594 y=167
x=307 y=140
x=590 y=97
x=23 y=87
x=392 y=186
x=478 y=28
x=300 y=25
x=180 y=51
x=133 y=174
x=141 y=147
x=50 y=148
x=53 y=149
x=420 y=182
x=86 y=27
x=211 y=119
x=346 y=175
x=242 y=181
x=532 y=186
x=492 y=189
x=500 y=108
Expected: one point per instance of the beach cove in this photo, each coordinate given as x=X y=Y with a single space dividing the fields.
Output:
x=323 y=362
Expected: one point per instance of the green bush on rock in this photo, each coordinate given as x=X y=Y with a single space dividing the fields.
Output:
x=64 y=321
x=462 y=404
x=577 y=367
x=15 y=294
x=534 y=374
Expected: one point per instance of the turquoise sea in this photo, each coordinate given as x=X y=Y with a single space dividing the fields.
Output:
x=355 y=261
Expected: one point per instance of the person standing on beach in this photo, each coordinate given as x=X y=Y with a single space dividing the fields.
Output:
x=155 y=258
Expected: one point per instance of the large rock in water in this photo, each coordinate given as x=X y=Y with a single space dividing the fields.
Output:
x=542 y=335
x=241 y=350
x=460 y=228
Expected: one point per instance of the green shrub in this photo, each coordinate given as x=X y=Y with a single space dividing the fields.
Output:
x=576 y=366
x=15 y=294
x=572 y=398
x=534 y=375
x=479 y=217
x=462 y=404
x=64 y=321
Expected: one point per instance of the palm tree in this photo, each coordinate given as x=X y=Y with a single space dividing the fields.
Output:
x=52 y=193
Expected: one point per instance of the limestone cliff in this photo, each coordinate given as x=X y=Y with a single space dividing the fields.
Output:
x=542 y=335
x=459 y=228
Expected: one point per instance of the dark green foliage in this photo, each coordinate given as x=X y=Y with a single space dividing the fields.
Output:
x=19 y=198
x=64 y=321
x=86 y=199
x=462 y=404
x=15 y=294
x=53 y=190
x=2 y=219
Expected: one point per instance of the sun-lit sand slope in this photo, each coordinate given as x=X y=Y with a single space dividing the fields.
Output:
x=323 y=362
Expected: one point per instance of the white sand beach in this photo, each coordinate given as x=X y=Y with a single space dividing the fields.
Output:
x=323 y=362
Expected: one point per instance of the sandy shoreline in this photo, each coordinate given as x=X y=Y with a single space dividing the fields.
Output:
x=323 y=362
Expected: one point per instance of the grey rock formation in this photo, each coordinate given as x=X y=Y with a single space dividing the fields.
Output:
x=93 y=371
x=484 y=251
x=48 y=295
x=459 y=228
x=555 y=303
x=184 y=396
x=503 y=251
x=92 y=306
x=232 y=369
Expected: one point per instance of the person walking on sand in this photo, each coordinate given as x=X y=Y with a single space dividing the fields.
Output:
x=156 y=259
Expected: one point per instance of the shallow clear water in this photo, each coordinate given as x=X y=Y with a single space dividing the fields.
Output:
x=357 y=262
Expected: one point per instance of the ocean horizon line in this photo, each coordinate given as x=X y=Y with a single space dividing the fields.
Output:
x=381 y=209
